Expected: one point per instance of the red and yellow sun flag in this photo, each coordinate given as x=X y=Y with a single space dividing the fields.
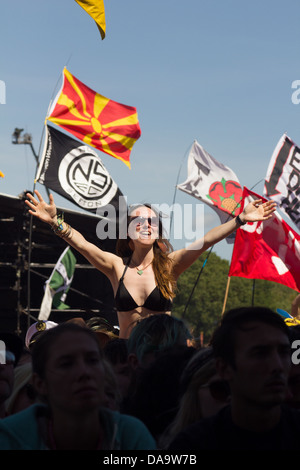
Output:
x=99 y=122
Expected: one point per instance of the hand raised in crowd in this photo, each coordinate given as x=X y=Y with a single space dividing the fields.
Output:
x=258 y=210
x=42 y=210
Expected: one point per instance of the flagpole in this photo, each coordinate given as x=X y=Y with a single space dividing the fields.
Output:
x=196 y=282
x=55 y=93
x=226 y=294
x=200 y=272
x=253 y=283
x=228 y=280
x=253 y=292
x=171 y=218
x=30 y=234
x=71 y=289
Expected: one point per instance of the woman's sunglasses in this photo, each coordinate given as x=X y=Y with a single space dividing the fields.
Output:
x=219 y=390
x=139 y=220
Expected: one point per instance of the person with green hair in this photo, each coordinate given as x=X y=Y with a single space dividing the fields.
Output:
x=153 y=335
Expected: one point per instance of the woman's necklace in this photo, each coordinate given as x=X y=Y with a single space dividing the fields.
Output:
x=140 y=271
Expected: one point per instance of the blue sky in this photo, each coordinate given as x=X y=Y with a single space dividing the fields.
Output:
x=219 y=72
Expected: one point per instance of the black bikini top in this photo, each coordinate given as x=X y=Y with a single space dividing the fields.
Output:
x=155 y=301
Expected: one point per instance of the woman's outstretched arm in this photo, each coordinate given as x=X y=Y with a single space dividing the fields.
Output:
x=47 y=212
x=255 y=211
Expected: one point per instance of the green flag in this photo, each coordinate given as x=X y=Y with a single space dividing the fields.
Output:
x=58 y=284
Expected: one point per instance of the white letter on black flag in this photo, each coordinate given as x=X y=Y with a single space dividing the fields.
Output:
x=76 y=172
x=282 y=182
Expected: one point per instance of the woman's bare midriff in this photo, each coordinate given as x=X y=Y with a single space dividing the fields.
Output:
x=127 y=320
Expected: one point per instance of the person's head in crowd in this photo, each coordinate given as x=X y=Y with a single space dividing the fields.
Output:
x=116 y=352
x=35 y=330
x=69 y=376
x=11 y=347
x=252 y=349
x=104 y=330
x=155 y=397
x=23 y=393
x=66 y=362
x=202 y=393
x=77 y=321
x=154 y=334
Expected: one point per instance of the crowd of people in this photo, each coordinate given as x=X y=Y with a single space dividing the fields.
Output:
x=148 y=385
x=65 y=387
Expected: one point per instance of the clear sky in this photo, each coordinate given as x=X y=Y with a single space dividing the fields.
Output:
x=218 y=71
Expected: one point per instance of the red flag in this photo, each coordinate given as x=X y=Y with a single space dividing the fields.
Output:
x=100 y=122
x=267 y=250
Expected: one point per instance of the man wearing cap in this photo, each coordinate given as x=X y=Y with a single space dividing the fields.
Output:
x=11 y=349
x=35 y=329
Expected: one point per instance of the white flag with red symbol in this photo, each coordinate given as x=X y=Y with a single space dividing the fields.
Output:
x=267 y=250
x=212 y=183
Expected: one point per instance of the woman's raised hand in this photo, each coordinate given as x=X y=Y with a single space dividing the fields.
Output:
x=258 y=210
x=42 y=210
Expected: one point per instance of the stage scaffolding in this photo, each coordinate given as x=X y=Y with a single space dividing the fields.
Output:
x=22 y=283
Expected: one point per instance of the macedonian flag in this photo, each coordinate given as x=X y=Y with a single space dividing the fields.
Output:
x=100 y=122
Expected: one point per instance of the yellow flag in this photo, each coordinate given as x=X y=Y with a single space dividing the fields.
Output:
x=1 y=174
x=95 y=8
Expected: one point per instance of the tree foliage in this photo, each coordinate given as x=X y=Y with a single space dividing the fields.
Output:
x=201 y=293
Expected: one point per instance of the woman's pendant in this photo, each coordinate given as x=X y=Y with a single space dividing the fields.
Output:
x=140 y=271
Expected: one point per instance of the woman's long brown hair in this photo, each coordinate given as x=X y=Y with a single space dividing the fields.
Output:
x=161 y=264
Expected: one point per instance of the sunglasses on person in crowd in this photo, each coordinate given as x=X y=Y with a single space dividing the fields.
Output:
x=139 y=220
x=219 y=389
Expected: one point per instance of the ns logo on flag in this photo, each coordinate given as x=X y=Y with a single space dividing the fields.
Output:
x=83 y=176
x=76 y=172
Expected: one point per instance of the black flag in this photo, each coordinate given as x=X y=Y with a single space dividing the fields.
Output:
x=282 y=182
x=76 y=172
